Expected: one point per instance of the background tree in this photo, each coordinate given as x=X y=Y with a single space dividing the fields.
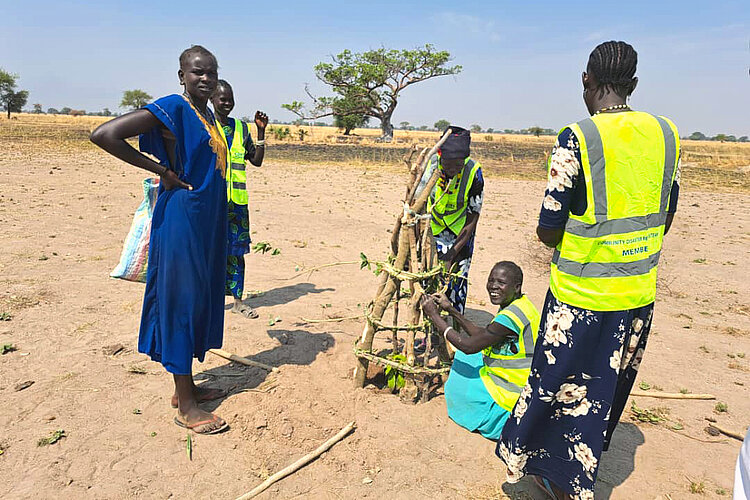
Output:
x=38 y=109
x=476 y=128
x=135 y=99
x=65 y=110
x=743 y=139
x=106 y=112
x=697 y=136
x=12 y=100
x=442 y=125
x=720 y=137
x=537 y=131
x=52 y=111
x=404 y=125
x=348 y=123
x=374 y=81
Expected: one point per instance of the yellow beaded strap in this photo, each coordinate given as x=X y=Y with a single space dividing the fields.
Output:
x=216 y=141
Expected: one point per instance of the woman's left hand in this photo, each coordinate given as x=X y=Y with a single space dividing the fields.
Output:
x=261 y=120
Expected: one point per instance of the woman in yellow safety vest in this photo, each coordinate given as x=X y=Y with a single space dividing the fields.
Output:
x=492 y=363
x=240 y=145
x=455 y=204
x=611 y=195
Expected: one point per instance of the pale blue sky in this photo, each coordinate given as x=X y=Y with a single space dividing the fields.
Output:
x=522 y=60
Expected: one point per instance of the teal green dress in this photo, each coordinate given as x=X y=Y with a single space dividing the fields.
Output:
x=469 y=404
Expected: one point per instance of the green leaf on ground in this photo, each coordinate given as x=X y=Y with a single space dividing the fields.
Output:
x=52 y=439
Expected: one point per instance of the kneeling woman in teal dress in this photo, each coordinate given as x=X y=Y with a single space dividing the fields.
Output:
x=183 y=305
x=492 y=363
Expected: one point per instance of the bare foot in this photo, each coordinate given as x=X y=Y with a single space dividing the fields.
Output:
x=201 y=422
x=202 y=394
x=244 y=309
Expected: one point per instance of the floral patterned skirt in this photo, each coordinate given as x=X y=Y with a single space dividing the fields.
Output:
x=458 y=288
x=585 y=363
x=238 y=245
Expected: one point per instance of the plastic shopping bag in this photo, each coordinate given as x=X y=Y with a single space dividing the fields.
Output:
x=134 y=257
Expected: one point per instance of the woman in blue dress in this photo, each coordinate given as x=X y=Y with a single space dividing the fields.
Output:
x=183 y=305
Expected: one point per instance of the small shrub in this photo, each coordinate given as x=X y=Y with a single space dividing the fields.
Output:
x=721 y=407
x=697 y=487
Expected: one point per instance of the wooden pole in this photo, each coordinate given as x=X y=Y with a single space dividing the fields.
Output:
x=394 y=333
x=726 y=432
x=239 y=359
x=291 y=469
x=670 y=395
x=378 y=308
x=422 y=161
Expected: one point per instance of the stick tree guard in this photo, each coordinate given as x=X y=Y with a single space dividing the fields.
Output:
x=413 y=262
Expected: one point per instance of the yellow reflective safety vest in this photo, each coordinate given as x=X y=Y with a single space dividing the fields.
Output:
x=505 y=375
x=236 y=175
x=448 y=205
x=608 y=256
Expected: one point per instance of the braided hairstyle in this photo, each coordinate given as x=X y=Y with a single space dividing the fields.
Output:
x=613 y=65
x=196 y=49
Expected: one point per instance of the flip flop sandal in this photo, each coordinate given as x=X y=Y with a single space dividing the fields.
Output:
x=247 y=312
x=192 y=427
x=204 y=399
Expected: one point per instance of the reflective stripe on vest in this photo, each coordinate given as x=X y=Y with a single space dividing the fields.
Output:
x=608 y=257
x=439 y=202
x=236 y=175
x=504 y=375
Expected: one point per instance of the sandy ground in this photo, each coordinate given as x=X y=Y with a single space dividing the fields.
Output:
x=63 y=218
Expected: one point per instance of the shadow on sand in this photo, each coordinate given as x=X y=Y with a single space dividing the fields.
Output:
x=296 y=347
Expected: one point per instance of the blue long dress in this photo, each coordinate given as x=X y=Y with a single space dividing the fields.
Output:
x=183 y=305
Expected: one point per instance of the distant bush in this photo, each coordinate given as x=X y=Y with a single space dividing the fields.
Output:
x=280 y=133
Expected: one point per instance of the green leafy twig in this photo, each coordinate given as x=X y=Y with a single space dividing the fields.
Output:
x=393 y=376
x=52 y=439
x=6 y=348
x=272 y=321
x=264 y=247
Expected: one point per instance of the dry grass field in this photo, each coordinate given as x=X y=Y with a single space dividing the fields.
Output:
x=72 y=362
x=706 y=165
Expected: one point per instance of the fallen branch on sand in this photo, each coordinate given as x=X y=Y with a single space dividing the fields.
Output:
x=671 y=395
x=726 y=432
x=318 y=268
x=239 y=359
x=299 y=463
x=331 y=320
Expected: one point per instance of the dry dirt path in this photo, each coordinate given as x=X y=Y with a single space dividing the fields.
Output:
x=62 y=220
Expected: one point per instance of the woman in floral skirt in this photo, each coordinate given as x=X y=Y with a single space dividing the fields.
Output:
x=606 y=209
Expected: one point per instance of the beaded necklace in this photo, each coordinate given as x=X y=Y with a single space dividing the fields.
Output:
x=216 y=141
x=624 y=107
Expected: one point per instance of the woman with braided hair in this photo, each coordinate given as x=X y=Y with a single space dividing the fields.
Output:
x=611 y=196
